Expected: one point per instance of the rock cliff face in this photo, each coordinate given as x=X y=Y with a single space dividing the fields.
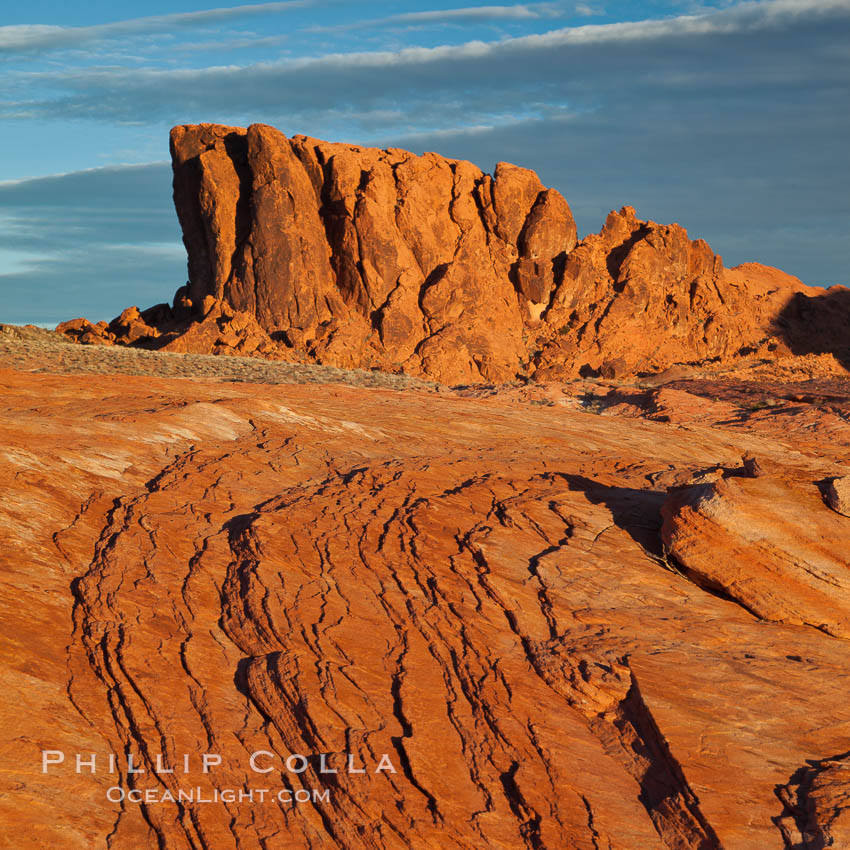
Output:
x=359 y=257
x=368 y=257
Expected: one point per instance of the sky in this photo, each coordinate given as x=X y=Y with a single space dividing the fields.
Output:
x=730 y=118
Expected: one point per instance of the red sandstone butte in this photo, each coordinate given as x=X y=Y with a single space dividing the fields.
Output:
x=358 y=257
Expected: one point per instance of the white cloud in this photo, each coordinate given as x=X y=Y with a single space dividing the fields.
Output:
x=745 y=17
x=468 y=14
x=465 y=84
x=31 y=184
x=27 y=37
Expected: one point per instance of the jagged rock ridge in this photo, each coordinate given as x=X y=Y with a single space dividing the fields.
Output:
x=359 y=257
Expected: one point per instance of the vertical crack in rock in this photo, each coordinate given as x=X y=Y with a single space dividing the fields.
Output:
x=665 y=792
x=407 y=732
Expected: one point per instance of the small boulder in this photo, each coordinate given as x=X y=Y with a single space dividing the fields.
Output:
x=838 y=495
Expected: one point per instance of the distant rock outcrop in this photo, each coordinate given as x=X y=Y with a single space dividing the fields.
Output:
x=359 y=257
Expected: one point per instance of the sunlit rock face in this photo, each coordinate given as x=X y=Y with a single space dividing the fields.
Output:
x=359 y=257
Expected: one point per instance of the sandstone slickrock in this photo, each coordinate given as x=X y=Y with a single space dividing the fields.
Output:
x=208 y=567
x=766 y=543
x=359 y=257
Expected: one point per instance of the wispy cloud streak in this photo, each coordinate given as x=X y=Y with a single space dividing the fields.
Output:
x=28 y=37
x=468 y=14
x=476 y=78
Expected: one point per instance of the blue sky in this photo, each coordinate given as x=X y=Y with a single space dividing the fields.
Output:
x=730 y=118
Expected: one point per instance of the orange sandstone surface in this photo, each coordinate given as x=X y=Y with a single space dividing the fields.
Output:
x=608 y=619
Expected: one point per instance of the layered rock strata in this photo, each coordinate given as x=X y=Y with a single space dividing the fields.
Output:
x=607 y=635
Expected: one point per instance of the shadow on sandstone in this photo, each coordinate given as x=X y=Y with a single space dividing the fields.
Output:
x=637 y=512
x=817 y=324
x=808 y=801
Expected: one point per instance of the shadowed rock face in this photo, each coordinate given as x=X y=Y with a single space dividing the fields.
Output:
x=359 y=257
x=815 y=326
